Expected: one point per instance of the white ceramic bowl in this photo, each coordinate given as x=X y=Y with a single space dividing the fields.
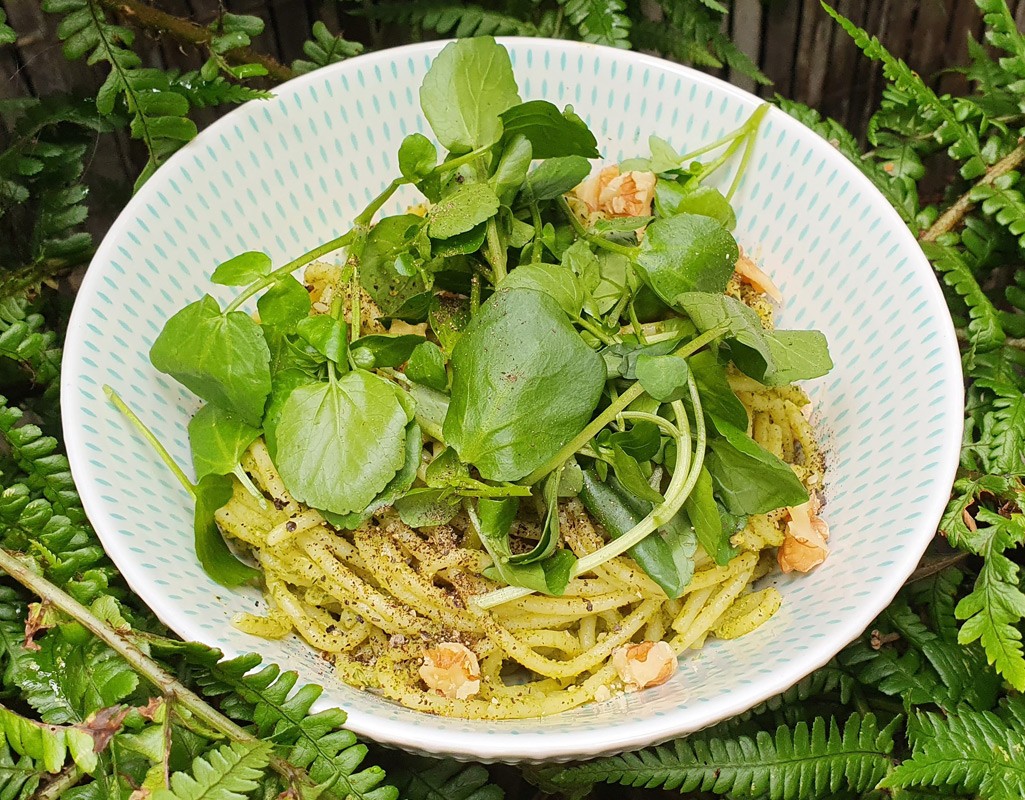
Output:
x=287 y=174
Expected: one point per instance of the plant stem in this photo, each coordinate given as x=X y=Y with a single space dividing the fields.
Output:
x=496 y=254
x=755 y=122
x=291 y=267
x=187 y=32
x=952 y=217
x=147 y=434
x=172 y=689
x=583 y=233
x=617 y=405
x=537 y=252
x=1017 y=344
x=68 y=777
x=596 y=332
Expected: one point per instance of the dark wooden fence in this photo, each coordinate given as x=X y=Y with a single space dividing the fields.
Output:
x=794 y=42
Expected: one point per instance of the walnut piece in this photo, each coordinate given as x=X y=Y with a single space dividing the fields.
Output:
x=805 y=544
x=752 y=274
x=610 y=193
x=641 y=666
x=451 y=669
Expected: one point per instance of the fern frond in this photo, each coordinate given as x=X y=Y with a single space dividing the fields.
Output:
x=599 y=21
x=218 y=91
x=1002 y=32
x=975 y=752
x=47 y=744
x=419 y=778
x=961 y=140
x=993 y=611
x=25 y=341
x=905 y=675
x=984 y=329
x=158 y=114
x=823 y=681
x=315 y=742
x=325 y=48
x=7 y=34
x=794 y=764
x=450 y=19
x=1003 y=201
x=18 y=779
x=230 y=772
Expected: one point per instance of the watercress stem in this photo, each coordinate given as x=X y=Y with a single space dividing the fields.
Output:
x=366 y=216
x=596 y=332
x=456 y=163
x=474 y=294
x=496 y=252
x=537 y=250
x=708 y=148
x=618 y=405
x=586 y=235
x=142 y=664
x=685 y=475
x=289 y=268
x=755 y=123
x=712 y=166
x=147 y=434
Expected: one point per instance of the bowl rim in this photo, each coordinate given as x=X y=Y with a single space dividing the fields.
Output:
x=546 y=744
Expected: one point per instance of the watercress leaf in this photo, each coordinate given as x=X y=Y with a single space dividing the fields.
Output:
x=339 y=443
x=431 y=408
x=703 y=513
x=445 y=469
x=396 y=487
x=217 y=560
x=243 y=269
x=572 y=479
x=284 y=304
x=628 y=471
x=551 y=132
x=549 y=539
x=796 y=356
x=512 y=168
x=470 y=83
x=717 y=396
x=417 y=156
x=663 y=377
x=524 y=383
x=282 y=385
x=686 y=253
x=749 y=348
x=387 y=351
x=326 y=335
x=621 y=358
x=618 y=513
x=425 y=508
x=427 y=366
x=641 y=441
x=673 y=197
x=223 y=358
x=386 y=241
x=496 y=518
x=469 y=205
x=553 y=280
x=218 y=439
x=517 y=232
x=461 y=244
x=584 y=264
x=558 y=569
x=290 y=352
x=554 y=177
x=748 y=478
x=449 y=318
x=557 y=238
x=615 y=271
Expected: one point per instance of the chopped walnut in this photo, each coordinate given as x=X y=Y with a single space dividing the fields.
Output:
x=610 y=193
x=805 y=544
x=752 y=274
x=451 y=670
x=641 y=666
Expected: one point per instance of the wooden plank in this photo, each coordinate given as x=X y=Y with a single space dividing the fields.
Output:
x=868 y=77
x=780 y=25
x=44 y=66
x=814 y=41
x=291 y=26
x=1019 y=15
x=12 y=78
x=746 y=22
x=964 y=19
x=843 y=62
x=266 y=42
x=926 y=52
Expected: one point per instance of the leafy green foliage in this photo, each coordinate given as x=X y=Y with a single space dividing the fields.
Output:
x=814 y=760
x=230 y=772
x=426 y=779
x=599 y=21
x=323 y=49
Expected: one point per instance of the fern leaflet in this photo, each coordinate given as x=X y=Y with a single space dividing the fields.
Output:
x=451 y=19
x=1002 y=32
x=992 y=611
x=230 y=772
x=420 y=778
x=325 y=48
x=599 y=21
x=47 y=744
x=1005 y=203
x=794 y=764
x=18 y=779
x=984 y=329
x=7 y=34
x=977 y=752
